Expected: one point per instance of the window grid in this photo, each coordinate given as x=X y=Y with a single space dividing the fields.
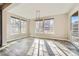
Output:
x=47 y=26
x=75 y=25
x=15 y=26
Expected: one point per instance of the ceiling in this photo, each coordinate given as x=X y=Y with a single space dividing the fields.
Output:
x=28 y=10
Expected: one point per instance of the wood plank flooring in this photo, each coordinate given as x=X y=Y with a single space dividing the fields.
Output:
x=39 y=47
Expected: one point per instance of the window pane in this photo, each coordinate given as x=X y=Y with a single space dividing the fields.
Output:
x=23 y=26
x=39 y=26
x=75 y=25
x=48 y=26
x=17 y=26
x=13 y=26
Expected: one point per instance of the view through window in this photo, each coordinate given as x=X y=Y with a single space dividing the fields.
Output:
x=48 y=26
x=16 y=26
x=75 y=20
x=45 y=26
x=39 y=26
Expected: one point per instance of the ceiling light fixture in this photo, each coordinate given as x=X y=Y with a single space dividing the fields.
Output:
x=37 y=14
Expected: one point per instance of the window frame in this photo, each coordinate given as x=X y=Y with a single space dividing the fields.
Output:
x=9 y=27
x=23 y=28
x=71 y=25
x=38 y=31
x=51 y=31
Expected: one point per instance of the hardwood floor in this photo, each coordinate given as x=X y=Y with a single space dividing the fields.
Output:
x=39 y=47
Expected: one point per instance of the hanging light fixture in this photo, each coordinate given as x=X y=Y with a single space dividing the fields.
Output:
x=37 y=14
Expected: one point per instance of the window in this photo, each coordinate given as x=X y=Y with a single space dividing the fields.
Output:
x=16 y=26
x=13 y=26
x=45 y=26
x=48 y=26
x=74 y=27
x=39 y=26
x=23 y=27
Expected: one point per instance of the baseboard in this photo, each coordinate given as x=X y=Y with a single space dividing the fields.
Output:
x=15 y=39
x=50 y=38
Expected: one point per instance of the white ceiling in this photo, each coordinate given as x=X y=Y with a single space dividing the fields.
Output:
x=28 y=10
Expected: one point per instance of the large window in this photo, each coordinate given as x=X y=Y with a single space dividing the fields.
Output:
x=48 y=26
x=74 y=27
x=45 y=26
x=39 y=26
x=13 y=26
x=23 y=26
x=16 y=26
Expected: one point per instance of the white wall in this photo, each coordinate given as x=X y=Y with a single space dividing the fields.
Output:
x=60 y=30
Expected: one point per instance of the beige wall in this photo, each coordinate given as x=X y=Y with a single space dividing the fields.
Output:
x=60 y=28
x=6 y=37
x=4 y=32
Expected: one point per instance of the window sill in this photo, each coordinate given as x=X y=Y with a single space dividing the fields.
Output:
x=44 y=33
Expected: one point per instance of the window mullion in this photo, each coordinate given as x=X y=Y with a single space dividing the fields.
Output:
x=43 y=26
x=20 y=26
